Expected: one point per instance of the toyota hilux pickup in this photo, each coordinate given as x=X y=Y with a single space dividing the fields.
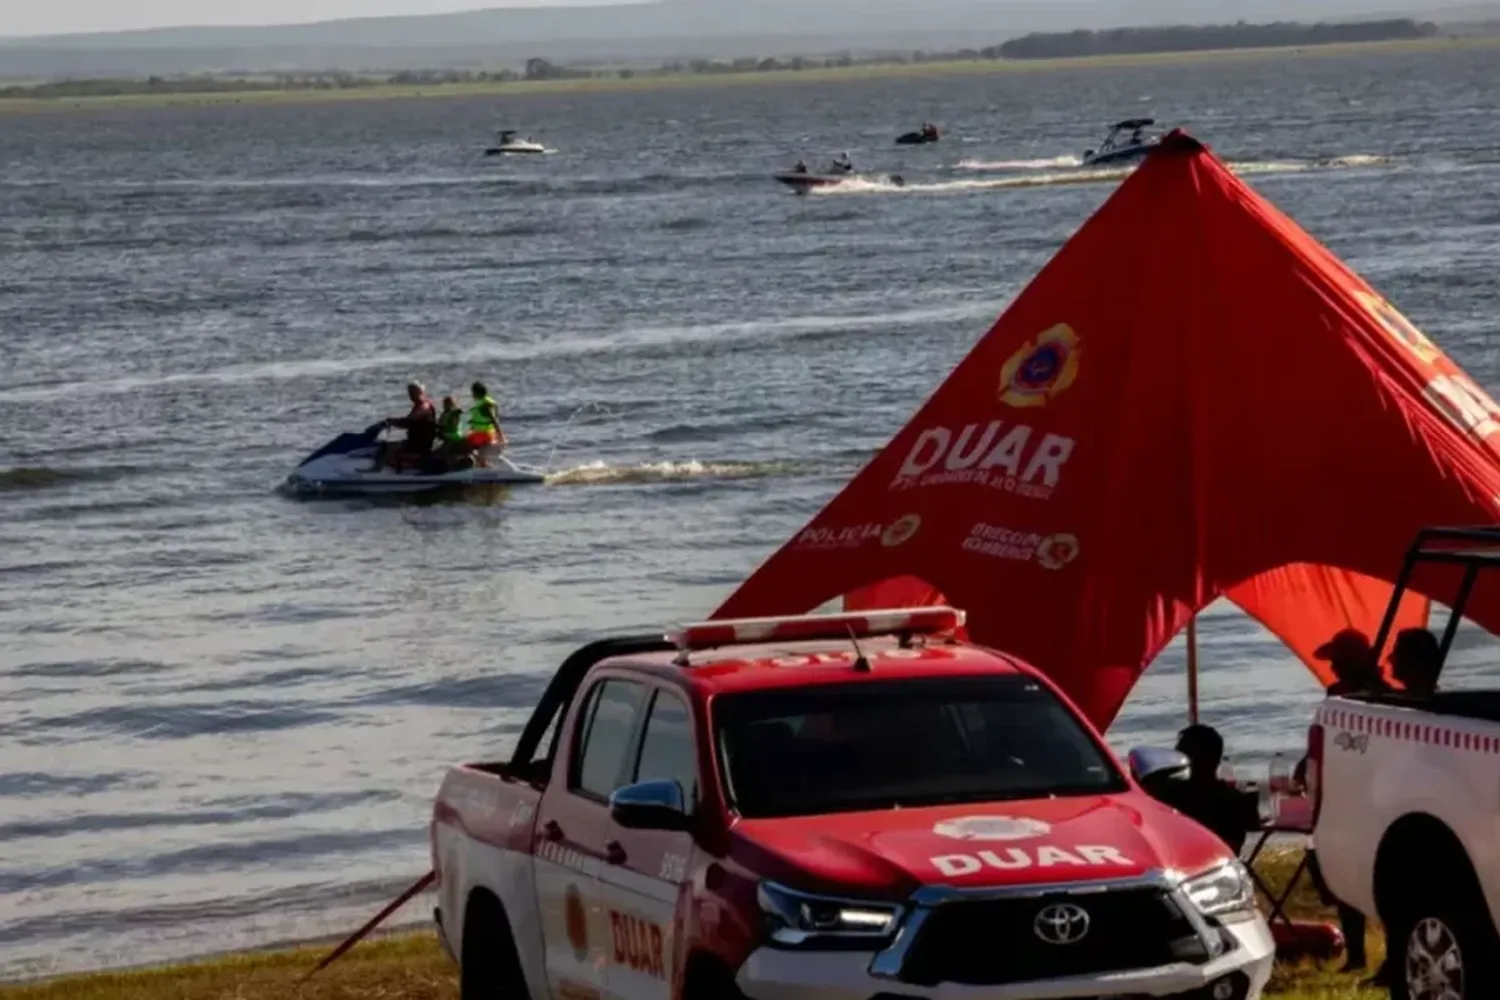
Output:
x=1406 y=792
x=829 y=807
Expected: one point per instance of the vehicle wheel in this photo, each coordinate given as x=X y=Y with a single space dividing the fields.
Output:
x=489 y=968
x=1445 y=951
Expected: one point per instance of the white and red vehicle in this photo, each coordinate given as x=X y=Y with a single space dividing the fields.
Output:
x=1407 y=799
x=829 y=808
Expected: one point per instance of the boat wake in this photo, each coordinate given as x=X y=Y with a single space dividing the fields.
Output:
x=595 y=473
x=1053 y=163
x=41 y=477
x=869 y=186
x=1055 y=178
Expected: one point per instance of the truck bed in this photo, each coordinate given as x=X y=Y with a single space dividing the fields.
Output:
x=1480 y=705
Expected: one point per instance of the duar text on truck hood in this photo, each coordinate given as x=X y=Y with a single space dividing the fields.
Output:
x=973 y=846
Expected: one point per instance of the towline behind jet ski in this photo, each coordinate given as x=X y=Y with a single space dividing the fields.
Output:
x=342 y=466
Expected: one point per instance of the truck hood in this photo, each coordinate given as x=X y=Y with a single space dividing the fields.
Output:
x=973 y=846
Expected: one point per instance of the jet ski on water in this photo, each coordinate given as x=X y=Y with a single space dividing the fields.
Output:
x=927 y=133
x=1120 y=147
x=346 y=465
x=801 y=180
x=509 y=143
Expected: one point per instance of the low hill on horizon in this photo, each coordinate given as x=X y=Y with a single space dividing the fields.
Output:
x=644 y=30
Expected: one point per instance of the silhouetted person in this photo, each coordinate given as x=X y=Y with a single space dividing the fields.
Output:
x=1355 y=670
x=1215 y=803
x=1352 y=661
x=1416 y=660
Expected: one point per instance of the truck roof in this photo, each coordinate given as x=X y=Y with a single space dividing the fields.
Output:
x=799 y=664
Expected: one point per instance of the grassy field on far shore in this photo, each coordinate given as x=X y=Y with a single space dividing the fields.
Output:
x=850 y=74
x=413 y=967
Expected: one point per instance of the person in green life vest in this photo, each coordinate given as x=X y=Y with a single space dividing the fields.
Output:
x=450 y=423
x=484 y=423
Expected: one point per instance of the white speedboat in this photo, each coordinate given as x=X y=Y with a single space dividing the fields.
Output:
x=1127 y=141
x=344 y=465
x=510 y=142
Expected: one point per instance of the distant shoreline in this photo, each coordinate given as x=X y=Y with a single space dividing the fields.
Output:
x=673 y=81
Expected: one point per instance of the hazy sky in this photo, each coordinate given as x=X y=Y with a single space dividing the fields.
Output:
x=30 y=17
x=42 y=17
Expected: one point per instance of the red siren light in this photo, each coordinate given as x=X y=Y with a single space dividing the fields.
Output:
x=805 y=628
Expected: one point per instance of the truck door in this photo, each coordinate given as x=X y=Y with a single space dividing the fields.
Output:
x=645 y=870
x=571 y=829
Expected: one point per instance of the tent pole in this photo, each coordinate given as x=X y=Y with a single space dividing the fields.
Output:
x=1192 y=669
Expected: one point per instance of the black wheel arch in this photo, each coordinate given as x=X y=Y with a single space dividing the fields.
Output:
x=489 y=963
x=706 y=976
x=1420 y=855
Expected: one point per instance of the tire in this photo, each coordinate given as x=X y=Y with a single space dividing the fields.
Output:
x=1445 y=950
x=489 y=967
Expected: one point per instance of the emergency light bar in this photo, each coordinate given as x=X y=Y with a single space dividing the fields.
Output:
x=803 y=628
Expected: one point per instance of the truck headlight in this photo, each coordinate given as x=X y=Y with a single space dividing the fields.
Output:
x=1225 y=892
x=799 y=919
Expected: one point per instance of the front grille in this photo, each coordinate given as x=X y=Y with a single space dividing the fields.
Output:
x=986 y=942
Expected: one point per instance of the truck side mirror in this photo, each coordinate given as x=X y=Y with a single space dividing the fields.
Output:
x=650 y=805
x=1156 y=764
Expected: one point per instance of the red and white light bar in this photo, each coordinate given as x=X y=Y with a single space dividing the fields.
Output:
x=804 y=628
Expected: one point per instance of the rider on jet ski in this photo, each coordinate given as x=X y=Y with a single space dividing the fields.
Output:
x=484 y=423
x=420 y=424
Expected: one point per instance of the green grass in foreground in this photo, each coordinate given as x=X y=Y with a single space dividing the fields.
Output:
x=851 y=74
x=413 y=967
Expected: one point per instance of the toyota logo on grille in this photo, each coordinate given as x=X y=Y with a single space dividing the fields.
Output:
x=1061 y=923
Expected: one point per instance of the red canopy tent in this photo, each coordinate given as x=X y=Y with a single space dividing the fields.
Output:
x=1193 y=399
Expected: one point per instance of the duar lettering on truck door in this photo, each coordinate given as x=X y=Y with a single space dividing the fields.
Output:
x=572 y=824
x=644 y=879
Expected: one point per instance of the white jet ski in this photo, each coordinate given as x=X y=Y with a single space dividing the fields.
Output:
x=510 y=142
x=343 y=466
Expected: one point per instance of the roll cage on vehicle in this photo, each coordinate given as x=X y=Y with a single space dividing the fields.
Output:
x=1472 y=550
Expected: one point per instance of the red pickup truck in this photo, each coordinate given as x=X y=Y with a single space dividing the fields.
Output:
x=829 y=807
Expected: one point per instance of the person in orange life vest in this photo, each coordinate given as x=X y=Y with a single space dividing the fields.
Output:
x=484 y=422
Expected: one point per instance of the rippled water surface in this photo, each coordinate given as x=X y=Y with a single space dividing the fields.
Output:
x=223 y=713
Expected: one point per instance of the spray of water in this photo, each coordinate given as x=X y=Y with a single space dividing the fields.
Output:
x=567 y=427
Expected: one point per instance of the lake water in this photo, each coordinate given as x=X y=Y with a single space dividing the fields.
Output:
x=223 y=713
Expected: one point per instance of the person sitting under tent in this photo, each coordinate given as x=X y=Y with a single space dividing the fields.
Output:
x=1227 y=812
x=1416 y=660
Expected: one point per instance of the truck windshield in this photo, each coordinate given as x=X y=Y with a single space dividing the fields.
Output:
x=889 y=744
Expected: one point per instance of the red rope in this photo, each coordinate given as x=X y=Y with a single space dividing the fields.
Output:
x=375 y=921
